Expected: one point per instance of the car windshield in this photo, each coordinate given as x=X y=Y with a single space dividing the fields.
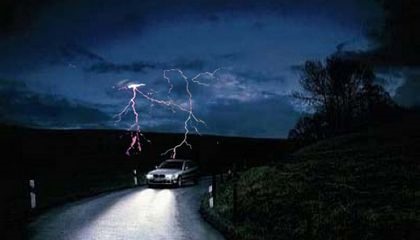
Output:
x=171 y=165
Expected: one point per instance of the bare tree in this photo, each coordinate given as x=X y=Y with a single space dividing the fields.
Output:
x=343 y=94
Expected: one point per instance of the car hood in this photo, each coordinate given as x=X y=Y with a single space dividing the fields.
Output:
x=165 y=171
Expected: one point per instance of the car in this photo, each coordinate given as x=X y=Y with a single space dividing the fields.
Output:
x=174 y=172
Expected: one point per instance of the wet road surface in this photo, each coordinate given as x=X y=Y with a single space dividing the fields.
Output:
x=139 y=213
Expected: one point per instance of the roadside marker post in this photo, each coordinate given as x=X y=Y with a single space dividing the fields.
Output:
x=32 y=193
x=135 y=177
x=211 y=202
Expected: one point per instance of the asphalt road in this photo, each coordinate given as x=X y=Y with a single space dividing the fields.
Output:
x=139 y=214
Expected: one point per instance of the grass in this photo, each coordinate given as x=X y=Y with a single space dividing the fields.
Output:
x=359 y=186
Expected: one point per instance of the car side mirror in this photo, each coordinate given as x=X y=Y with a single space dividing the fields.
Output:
x=186 y=167
x=156 y=167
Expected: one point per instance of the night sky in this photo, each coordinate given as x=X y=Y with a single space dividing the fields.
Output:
x=62 y=61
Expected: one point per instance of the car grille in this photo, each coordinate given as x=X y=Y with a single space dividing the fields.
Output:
x=159 y=175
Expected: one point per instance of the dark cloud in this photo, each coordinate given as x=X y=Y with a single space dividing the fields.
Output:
x=133 y=15
x=408 y=94
x=398 y=37
x=76 y=52
x=229 y=56
x=18 y=15
x=107 y=67
x=189 y=64
x=20 y=105
x=94 y=45
x=144 y=66
x=397 y=46
x=231 y=118
x=258 y=77
x=267 y=117
x=341 y=46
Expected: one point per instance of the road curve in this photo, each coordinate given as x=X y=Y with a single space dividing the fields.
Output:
x=139 y=214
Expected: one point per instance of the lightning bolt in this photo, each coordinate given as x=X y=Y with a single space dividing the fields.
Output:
x=191 y=118
x=135 y=136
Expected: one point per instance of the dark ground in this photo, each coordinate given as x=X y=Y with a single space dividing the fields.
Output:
x=70 y=164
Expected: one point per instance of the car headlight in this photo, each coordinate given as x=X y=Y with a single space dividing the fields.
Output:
x=149 y=176
x=171 y=176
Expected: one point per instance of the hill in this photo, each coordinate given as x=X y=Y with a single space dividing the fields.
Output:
x=358 y=186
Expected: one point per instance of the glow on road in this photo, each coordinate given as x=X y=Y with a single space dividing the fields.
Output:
x=131 y=214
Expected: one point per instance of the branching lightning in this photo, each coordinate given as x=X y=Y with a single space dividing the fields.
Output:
x=135 y=136
x=189 y=121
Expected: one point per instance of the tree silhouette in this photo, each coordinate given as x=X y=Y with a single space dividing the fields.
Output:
x=343 y=94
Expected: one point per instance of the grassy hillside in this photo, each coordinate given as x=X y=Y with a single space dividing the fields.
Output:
x=359 y=186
